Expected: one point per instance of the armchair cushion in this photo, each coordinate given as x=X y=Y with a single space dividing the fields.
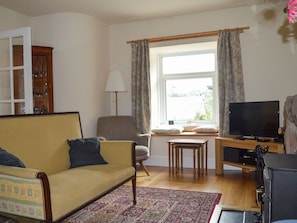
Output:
x=8 y=159
x=84 y=152
x=141 y=152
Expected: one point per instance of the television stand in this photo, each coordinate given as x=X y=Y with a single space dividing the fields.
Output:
x=221 y=142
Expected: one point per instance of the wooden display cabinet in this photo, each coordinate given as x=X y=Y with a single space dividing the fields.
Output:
x=42 y=78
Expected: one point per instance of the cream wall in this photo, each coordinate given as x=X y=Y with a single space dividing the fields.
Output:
x=269 y=64
x=80 y=63
x=12 y=20
x=80 y=60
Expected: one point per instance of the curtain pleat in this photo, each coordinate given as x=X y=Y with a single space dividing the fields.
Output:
x=231 y=83
x=140 y=85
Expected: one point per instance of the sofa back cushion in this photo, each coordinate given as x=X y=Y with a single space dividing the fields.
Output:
x=40 y=141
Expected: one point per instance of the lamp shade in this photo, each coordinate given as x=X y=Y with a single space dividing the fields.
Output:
x=115 y=82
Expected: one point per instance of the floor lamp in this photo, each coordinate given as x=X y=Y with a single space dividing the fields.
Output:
x=115 y=83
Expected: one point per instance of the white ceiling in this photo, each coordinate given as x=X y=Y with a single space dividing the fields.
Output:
x=122 y=11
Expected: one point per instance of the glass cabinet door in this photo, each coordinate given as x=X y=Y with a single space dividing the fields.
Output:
x=42 y=79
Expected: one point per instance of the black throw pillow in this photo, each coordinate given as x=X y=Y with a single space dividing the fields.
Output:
x=84 y=152
x=8 y=159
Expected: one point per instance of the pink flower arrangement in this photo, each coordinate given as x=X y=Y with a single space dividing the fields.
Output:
x=291 y=9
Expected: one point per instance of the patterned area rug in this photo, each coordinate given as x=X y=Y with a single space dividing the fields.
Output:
x=153 y=206
x=7 y=220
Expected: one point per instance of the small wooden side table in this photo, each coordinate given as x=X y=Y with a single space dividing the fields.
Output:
x=175 y=153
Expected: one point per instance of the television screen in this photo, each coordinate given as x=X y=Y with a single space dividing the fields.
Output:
x=254 y=119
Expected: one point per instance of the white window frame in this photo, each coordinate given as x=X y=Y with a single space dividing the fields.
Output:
x=25 y=33
x=158 y=80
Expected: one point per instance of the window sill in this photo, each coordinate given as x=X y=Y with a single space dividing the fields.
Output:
x=185 y=134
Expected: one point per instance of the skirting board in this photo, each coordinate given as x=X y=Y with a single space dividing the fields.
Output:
x=188 y=162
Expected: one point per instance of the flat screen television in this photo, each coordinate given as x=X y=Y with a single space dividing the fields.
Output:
x=254 y=119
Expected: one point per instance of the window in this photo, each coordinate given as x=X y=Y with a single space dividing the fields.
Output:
x=184 y=84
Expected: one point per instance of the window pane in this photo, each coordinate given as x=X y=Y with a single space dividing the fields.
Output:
x=19 y=108
x=18 y=80
x=18 y=56
x=189 y=63
x=4 y=53
x=5 y=87
x=190 y=99
x=5 y=109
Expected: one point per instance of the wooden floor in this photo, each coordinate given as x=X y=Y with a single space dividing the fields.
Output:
x=237 y=188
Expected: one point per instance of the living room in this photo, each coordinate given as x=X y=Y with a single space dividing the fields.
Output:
x=86 y=48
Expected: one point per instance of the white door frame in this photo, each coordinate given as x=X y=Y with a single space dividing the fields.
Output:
x=25 y=34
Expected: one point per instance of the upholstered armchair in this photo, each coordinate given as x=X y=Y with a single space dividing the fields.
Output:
x=124 y=128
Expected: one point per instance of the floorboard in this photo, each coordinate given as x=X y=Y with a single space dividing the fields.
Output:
x=238 y=188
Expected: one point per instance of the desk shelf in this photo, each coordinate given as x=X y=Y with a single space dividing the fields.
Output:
x=243 y=166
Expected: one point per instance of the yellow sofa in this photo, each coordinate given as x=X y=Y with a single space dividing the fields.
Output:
x=47 y=190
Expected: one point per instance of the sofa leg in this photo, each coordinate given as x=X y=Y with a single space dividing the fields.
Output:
x=144 y=167
x=134 y=190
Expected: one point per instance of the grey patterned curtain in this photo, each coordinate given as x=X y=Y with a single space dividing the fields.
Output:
x=231 y=84
x=140 y=84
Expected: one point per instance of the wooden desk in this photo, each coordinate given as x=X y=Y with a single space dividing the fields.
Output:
x=221 y=142
x=175 y=153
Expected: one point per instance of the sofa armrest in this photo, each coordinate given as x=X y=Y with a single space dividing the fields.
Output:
x=24 y=192
x=118 y=152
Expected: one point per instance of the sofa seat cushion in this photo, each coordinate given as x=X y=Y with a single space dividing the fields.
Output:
x=86 y=183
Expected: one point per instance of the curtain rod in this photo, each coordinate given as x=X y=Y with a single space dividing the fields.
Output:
x=188 y=36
